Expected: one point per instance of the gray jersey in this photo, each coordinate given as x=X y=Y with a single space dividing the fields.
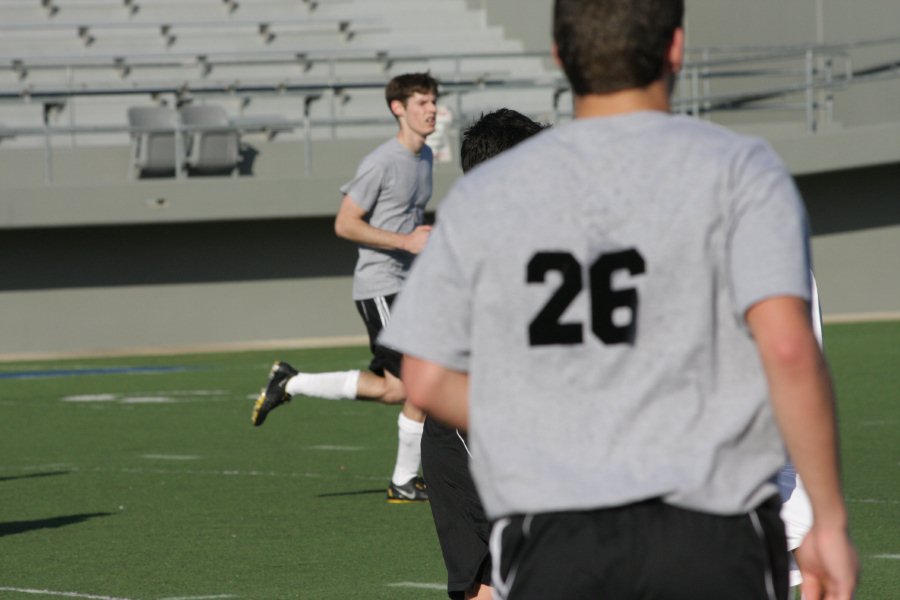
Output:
x=392 y=185
x=593 y=281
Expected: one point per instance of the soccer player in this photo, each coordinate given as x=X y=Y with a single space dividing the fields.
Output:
x=617 y=310
x=383 y=211
x=462 y=527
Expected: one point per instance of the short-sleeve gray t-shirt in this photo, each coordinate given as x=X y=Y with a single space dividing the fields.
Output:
x=593 y=282
x=393 y=186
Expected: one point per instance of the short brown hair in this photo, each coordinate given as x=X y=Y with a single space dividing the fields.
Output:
x=610 y=45
x=402 y=87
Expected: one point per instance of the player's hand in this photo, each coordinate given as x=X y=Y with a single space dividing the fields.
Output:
x=828 y=564
x=415 y=240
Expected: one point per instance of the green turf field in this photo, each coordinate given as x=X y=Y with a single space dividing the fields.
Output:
x=143 y=479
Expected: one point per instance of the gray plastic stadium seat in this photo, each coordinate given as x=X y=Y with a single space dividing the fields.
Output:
x=211 y=152
x=153 y=152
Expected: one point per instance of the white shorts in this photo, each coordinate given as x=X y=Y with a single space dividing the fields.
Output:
x=796 y=512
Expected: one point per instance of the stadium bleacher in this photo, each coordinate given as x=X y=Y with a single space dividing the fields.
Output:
x=312 y=70
x=266 y=62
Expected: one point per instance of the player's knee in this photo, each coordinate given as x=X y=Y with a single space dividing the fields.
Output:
x=394 y=392
x=393 y=397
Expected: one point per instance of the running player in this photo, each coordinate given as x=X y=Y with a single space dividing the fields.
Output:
x=383 y=211
x=462 y=527
x=619 y=309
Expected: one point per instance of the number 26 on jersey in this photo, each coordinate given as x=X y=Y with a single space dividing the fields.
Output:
x=546 y=328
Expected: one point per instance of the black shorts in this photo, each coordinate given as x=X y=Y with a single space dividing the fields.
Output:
x=645 y=550
x=376 y=313
x=462 y=527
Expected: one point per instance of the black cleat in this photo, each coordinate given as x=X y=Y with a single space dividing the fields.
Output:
x=274 y=393
x=413 y=490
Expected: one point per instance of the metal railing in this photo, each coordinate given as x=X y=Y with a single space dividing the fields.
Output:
x=813 y=73
x=266 y=28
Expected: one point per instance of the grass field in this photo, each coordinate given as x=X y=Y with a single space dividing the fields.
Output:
x=143 y=479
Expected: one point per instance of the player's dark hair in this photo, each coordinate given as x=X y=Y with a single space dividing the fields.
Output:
x=493 y=133
x=402 y=87
x=611 y=45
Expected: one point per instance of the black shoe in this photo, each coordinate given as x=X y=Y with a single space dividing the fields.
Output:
x=413 y=490
x=274 y=394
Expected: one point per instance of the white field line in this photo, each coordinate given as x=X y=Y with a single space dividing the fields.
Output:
x=170 y=456
x=159 y=471
x=147 y=400
x=173 y=350
x=222 y=473
x=872 y=501
x=96 y=597
x=197 y=393
x=888 y=556
x=57 y=593
x=157 y=397
x=879 y=423
x=418 y=586
x=216 y=597
x=90 y=398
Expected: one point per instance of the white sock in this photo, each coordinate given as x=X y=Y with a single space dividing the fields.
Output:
x=339 y=385
x=409 y=450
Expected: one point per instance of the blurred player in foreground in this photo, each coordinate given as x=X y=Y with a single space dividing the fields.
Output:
x=462 y=527
x=383 y=211
x=618 y=311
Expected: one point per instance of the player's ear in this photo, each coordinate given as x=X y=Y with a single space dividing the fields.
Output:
x=676 y=51
x=554 y=51
x=398 y=108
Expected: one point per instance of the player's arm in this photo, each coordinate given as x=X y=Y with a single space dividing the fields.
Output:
x=351 y=224
x=803 y=402
x=441 y=392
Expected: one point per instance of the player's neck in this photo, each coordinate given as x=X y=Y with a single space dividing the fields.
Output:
x=653 y=97
x=410 y=139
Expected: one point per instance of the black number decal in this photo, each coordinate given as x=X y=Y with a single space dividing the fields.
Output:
x=545 y=328
x=605 y=300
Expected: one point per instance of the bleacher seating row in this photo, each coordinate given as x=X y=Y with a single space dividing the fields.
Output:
x=92 y=59
x=70 y=70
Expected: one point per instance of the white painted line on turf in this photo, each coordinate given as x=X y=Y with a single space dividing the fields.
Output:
x=216 y=597
x=418 y=586
x=90 y=398
x=879 y=423
x=888 y=556
x=337 y=448
x=225 y=473
x=170 y=456
x=148 y=400
x=56 y=593
x=149 y=397
x=872 y=501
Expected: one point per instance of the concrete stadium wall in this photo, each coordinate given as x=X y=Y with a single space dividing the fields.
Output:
x=96 y=269
x=855 y=220
x=93 y=263
x=109 y=288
